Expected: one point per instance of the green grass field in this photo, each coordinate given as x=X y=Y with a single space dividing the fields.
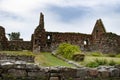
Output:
x=46 y=59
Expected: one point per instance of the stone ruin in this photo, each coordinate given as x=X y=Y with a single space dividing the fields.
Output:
x=42 y=40
x=98 y=40
x=3 y=39
x=14 y=45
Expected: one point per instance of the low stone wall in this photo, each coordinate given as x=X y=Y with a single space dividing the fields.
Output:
x=18 y=45
x=25 y=71
x=17 y=58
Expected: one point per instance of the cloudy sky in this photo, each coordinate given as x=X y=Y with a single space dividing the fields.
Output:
x=60 y=15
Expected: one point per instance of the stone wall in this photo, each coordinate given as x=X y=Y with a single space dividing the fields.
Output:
x=39 y=36
x=109 y=43
x=17 y=58
x=3 y=39
x=14 y=44
x=25 y=71
x=17 y=45
x=53 y=39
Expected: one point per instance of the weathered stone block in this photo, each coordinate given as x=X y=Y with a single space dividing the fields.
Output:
x=1 y=71
x=114 y=72
x=54 y=78
x=7 y=66
x=32 y=66
x=93 y=72
x=69 y=73
x=37 y=74
x=103 y=74
x=78 y=57
x=17 y=73
x=81 y=73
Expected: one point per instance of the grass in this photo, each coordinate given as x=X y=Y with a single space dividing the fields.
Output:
x=18 y=53
x=89 y=59
x=46 y=59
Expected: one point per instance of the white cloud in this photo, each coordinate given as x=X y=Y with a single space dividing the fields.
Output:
x=17 y=6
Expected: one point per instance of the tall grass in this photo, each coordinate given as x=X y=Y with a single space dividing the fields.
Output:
x=99 y=62
x=95 y=54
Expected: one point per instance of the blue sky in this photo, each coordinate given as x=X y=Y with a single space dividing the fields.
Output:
x=60 y=15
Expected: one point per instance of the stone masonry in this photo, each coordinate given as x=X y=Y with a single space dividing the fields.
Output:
x=15 y=45
x=27 y=71
x=3 y=39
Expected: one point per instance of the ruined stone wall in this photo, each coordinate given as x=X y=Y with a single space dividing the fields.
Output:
x=25 y=71
x=53 y=39
x=14 y=44
x=3 y=39
x=109 y=43
x=98 y=40
x=38 y=38
x=17 y=45
x=98 y=30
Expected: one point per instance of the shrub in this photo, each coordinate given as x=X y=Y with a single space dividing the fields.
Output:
x=67 y=50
